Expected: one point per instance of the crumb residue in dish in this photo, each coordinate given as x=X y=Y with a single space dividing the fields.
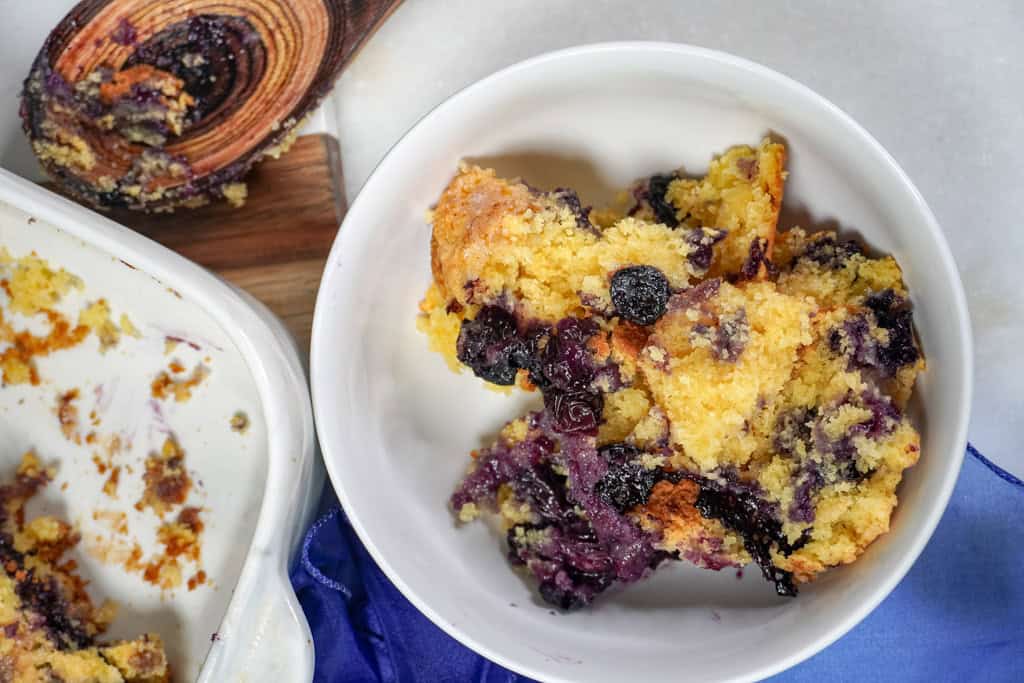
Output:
x=240 y=422
x=96 y=317
x=18 y=359
x=165 y=386
x=32 y=286
x=33 y=290
x=171 y=343
x=112 y=446
x=181 y=541
x=31 y=326
x=116 y=520
x=167 y=481
x=196 y=580
x=113 y=479
x=67 y=415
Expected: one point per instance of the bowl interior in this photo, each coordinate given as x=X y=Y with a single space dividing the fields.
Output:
x=396 y=425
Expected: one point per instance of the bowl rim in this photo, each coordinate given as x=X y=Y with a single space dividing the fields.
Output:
x=318 y=345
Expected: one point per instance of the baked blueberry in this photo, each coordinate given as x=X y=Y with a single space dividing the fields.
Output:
x=640 y=294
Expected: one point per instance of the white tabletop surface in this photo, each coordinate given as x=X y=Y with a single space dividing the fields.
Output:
x=940 y=84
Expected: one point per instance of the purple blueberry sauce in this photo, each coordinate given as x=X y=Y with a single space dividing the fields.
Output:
x=823 y=460
x=579 y=544
x=695 y=296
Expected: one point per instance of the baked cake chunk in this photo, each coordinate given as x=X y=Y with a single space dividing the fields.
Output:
x=741 y=194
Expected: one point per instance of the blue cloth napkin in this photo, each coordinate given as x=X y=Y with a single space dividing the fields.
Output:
x=957 y=616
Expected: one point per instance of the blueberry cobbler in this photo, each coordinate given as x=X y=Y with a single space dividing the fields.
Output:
x=713 y=391
x=49 y=628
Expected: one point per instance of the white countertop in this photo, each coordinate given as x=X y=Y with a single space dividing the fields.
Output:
x=940 y=84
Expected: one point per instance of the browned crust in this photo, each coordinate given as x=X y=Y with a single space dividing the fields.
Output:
x=628 y=340
x=673 y=503
x=435 y=266
x=467 y=226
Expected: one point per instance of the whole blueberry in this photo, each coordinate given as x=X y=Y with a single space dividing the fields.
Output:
x=574 y=411
x=640 y=294
x=490 y=345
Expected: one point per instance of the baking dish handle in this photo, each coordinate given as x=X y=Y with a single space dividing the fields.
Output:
x=273 y=643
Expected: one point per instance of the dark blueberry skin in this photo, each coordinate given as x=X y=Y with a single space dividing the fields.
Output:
x=620 y=453
x=756 y=256
x=489 y=343
x=893 y=314
x=627 y=483
x=657 y=187
x=744 y=513
x=830 y=253
x=529 y=355
x=640 y=294
x=626 y=486
x=565 y=362
x=572 y=200
x=574 y=412
x=572 y=568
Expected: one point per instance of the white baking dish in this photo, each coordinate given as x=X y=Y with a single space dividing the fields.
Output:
x=257 y=488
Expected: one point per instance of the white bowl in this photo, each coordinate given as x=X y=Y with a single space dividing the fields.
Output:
x=396 y=425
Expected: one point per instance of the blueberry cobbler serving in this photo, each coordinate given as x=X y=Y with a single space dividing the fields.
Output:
x=713 y=391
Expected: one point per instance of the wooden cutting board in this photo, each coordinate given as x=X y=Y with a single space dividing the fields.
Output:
x=275 y=246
